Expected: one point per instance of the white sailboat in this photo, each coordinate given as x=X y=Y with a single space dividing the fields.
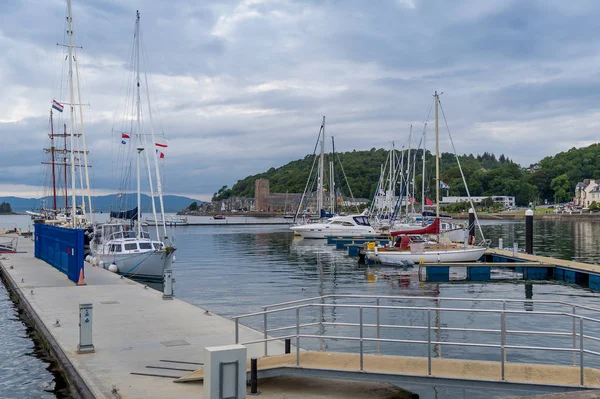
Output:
x=124 y=245
x=411 y=247
x=351 y=225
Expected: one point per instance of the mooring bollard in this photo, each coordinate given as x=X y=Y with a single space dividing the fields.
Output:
x=85 y=328
x=253 y=376
x=288 y=345
x=529 y=231
x=515 y=250
x=471 y=225
x=168 y=284
x=500 y=243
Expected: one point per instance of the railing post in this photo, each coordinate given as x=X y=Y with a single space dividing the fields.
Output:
x=321 y=316
x=574 y=337
x=428 y=341
x=237 y=330
x=504 y=308
x=503 y=340
x=265 y=331
x=378 y=336
x=298 y=336
x=581 y=377
x=361 y=338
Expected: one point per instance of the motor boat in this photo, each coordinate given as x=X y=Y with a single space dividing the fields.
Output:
x=347 y=226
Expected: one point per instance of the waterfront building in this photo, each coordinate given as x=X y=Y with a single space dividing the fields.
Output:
x=506 y=201
x=587 y=192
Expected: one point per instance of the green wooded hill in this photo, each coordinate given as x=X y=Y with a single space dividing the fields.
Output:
x=553 y=179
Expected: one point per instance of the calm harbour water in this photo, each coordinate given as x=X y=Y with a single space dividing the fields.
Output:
x=232 y=270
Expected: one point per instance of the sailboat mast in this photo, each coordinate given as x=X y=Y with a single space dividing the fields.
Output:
x=332 y=188
x=72 y=117
x=321 y=169
x=437 y=157
x=408 y=179
x=82 y=127
x=423 y=175
x=52 y=148
x=139 y=132
x=65 y=169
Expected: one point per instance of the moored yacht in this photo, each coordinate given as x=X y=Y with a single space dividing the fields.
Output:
x=118 y=247
x=352 y=225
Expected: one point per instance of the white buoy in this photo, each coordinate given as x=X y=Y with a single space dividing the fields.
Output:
x=174 y=258
x=113 y=268
x=88 y=259
x=94 y=261
x=101 y=264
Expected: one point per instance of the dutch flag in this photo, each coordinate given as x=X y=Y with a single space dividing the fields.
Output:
x=57 y=106
x=124 y=138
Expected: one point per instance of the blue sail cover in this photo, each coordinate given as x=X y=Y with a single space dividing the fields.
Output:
x=325 y=214
x=130 y=215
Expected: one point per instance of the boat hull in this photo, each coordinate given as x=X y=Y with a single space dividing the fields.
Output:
x=143 y=265
x=434 y=256
x=319 y=231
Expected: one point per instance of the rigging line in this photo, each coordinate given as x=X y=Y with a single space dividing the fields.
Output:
x=461 y=173
x=301 y=203
x=347 y=182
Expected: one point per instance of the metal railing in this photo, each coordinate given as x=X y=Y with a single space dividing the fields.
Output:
x=577 y=331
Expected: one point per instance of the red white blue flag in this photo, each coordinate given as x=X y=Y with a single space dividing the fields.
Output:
x=160 y=154
x=124 y=138
x=57 y=106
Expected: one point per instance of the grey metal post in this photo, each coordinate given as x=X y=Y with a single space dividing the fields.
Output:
x=581 y=376
x=378 y=336
x=529 y=231
x=361 y=338
x=298 y=336
x=574 y=337
x=265 y=331
x=85 y=328
x=428 y=341
x=500 y=243
x=515 y=250
x=168 y=284
x=237 y=330
x=503 y=340
x=321 y=331
x=504 y=308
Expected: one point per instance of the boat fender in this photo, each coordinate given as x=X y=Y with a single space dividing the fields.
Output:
x=113 y=268
x=101 y=264
x=174 y=258
x=88 y=259
x=409 y=262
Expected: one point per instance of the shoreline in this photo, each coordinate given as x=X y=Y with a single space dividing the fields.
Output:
x=562 y=217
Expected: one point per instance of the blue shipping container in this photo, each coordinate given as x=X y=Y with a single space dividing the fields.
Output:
x=62 y=248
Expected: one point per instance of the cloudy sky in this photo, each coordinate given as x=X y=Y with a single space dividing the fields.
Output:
x=241 y=85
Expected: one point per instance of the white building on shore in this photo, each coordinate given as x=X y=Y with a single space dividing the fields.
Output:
x=508 y=202
x=587 y=192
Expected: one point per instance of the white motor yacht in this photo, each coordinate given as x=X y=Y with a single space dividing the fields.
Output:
x=348 y=226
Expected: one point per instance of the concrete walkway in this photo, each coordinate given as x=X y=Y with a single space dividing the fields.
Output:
x=133 y=327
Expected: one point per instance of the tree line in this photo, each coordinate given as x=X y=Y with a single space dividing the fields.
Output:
x=553 y=179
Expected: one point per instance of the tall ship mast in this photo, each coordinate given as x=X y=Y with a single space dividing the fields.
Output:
x=67 y=159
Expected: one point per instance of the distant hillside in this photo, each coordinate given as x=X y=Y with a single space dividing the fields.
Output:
x=104 y=203
x=568 y=167
x=485 y=174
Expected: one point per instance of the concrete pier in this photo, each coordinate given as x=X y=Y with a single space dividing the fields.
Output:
x=135 y=330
